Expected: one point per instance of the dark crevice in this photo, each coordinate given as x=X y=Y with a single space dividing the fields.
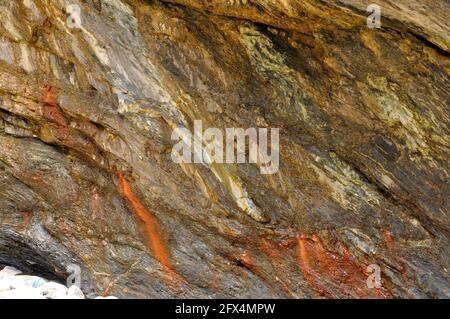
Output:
x=430 y=44
x=361 y=13
x=22 y=256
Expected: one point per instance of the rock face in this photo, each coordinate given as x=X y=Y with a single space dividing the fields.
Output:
x=87 y=109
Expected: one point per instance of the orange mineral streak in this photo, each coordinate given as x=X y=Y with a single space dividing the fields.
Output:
x=95 y=199
x=51 y=111
x=303 y=255
x=273 y=250
x=389 y=239
x=152 y=226
x=322 y=268
x=26 y=219
x=96 y=205
x=246 y=259
x=278 y=262
x=305 y=265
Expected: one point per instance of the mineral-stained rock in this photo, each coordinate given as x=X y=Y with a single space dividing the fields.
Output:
x=87 y=109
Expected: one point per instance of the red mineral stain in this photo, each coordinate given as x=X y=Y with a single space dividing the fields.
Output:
x=345 y=252
x=26 y=215
x=51 y=110
x=305 y=261
x=278 y=262
x=342 y=270
x=38 y=178
x=269 y=249
x=321 y=266
x=64 y=227
x=390 y=244
x=303 y=255
x=246 y=260
x=389 y=239
x=95 y=203
x=322 y=257
x=95 y=199
x=151 y=224
x=52 y=113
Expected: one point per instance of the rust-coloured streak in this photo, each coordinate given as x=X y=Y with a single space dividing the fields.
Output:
x=303 y=255
x=51 y=111
x=246 y=260
x=321 y=267
x=341 y=270
x=64 y=227
x=278 y=262
x=152 y=226
x=96 y=203
x=26 y=215
x=311 y=277
x=389 y=239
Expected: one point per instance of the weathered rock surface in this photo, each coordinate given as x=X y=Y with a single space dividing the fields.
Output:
x=86 y=176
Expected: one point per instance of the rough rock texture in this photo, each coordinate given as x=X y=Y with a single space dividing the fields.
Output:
x=86 y=175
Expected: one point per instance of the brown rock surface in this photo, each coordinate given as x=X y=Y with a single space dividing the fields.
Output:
x=86 y=176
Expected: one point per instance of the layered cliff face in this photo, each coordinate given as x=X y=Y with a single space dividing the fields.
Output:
x=87 y=109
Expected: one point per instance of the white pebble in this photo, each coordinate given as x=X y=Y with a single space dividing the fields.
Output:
x=53 y=290
x=75 y=292
x=108 y=297
x=31 y=281
x=9 y=271
x=12 y=282
x=22 y=293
